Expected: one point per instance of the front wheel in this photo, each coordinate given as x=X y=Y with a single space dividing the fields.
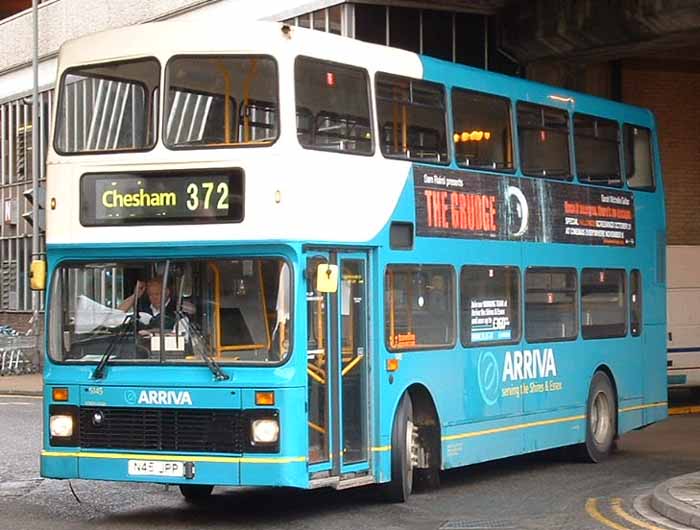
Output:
x=402 y=453
x=195 y=493
x=600 y=419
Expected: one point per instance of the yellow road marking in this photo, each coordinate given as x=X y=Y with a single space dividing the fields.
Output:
x=616 y=505
x=178 y=458
x=19 y=396
x=592 y=509
x=683 y=410
x=381 y=448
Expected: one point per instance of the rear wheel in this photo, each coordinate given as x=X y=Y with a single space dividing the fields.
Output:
x=195 y=493
x=601 y=424
x=403 y=448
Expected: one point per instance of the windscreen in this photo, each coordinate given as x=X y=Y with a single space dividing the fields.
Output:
x=232 y=310
x=221 y=101
x=108 y=107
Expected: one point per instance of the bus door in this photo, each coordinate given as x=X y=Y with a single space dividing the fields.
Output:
x=337 y=363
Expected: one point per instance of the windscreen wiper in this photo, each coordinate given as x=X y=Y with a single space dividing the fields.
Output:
x=99 y=372
x=202 y=346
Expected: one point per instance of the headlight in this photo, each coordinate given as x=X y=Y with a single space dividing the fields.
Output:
x=61 y=426
x=266 y=431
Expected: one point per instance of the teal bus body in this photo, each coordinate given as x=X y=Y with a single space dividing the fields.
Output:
x=479 y=416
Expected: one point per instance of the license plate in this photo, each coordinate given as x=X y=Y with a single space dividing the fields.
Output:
x=157 y=468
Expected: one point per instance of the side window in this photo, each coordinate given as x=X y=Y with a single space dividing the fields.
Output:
x=411 y=115
x=489 y=305
x=639 y=166
x=550 y=304
x=603 y=303
x=543 y=137
x=332 y=102
x=418 y=307
x=482 y=131
x=636 y=303
x=596 y=147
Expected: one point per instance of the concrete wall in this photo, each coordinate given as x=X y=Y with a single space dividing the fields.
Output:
x=62 y=20
x=670 y=89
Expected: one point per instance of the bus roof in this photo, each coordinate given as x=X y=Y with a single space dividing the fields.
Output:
x=174 y=37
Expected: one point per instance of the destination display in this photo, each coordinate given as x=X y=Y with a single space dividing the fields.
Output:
x=470 y=204
x=161 y=198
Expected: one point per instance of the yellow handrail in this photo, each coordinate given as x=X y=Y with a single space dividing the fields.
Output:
x=228 y=88
x=352 y=364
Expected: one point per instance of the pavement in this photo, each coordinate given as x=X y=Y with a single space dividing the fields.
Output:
x=21 y=385
x=677 y=499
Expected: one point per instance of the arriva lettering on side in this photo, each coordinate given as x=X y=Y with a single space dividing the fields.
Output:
x=164 y=397
x=529 y=364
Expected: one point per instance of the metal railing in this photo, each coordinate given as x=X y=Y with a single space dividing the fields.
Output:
x=19 y=354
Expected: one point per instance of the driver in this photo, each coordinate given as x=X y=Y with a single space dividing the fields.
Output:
x=149 y=306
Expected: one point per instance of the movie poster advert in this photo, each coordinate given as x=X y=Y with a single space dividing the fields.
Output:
x=474 y=205
x=490 y=320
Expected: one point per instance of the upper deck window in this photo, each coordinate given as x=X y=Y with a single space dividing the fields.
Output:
x=596 y=144
x=108 y=107
x=543 y=136
x=639 y=167
x=332 y=106
x=221 y=101
x=411 y=116
x=482 y=131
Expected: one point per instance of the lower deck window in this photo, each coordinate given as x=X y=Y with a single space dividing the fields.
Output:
x=489 y=305
x=603 y=303
x=550 y=304
x=418 y=302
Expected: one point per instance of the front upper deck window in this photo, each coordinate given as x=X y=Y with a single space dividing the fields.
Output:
x=221 y=101
x=231 y=310
x=108 y=107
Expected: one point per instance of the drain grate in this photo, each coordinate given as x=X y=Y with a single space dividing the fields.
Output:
x=475 y=525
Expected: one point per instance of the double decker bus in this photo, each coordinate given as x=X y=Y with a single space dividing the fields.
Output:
x=285 y=258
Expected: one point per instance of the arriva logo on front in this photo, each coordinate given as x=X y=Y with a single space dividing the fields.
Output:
x=529 y=364
x=164 y=397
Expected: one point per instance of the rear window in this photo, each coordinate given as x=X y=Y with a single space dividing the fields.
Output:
x=639 y=167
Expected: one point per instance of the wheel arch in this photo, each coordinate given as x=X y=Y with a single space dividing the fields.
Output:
x=427 y=418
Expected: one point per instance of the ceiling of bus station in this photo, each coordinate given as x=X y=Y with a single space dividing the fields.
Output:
x=586 y=30
x=594 y=30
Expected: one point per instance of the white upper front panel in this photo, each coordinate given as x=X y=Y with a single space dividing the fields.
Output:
x=290 y=192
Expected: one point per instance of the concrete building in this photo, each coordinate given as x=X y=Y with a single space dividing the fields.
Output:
x=640 y=52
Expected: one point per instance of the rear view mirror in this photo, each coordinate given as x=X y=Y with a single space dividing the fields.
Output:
x=327 y=278
x=37 y=275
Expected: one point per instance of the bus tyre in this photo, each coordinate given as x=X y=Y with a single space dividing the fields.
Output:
x=600 y=419
x=402 y=461
x=195 y=493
